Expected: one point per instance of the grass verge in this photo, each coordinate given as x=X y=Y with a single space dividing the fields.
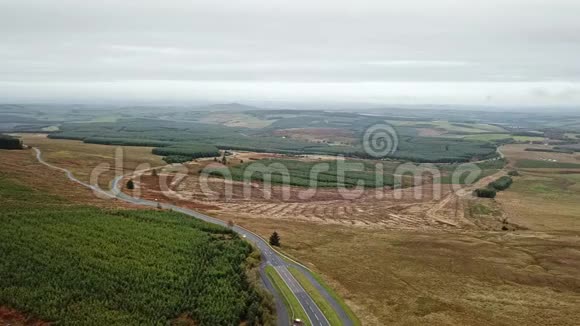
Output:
x=296 y=310
x=328 y=289
x=336 y=297
x=324 y=305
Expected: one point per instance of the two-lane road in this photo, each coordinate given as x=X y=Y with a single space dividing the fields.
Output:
x=269 y=255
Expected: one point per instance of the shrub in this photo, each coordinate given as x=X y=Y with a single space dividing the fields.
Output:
x=501 y=184
x=485 y=193
x=9 y=142
x=176 y=159
x=514 y=173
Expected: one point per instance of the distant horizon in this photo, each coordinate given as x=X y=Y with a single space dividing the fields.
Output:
x=545 y=94
x=355 y=107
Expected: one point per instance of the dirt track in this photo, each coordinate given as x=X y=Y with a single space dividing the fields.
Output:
x=450 y=210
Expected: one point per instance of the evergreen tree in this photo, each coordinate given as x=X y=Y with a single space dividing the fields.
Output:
x=275 y=239
x=130 y=185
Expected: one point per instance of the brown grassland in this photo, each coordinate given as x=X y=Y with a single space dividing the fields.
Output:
x=23 y=167
x=82 y=159
x=414 y=270
x=543 y=198
x=517 y=152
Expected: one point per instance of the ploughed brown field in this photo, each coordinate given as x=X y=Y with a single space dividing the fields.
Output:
x=436 y=260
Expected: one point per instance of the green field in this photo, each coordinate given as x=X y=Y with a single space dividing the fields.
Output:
x=550 y=186
x=535 y=164
x=488 y=137
x=496 y=137
x=299 y=173
x=452 y=127
x=528 y=138
x=73 y=265
x=365 y=173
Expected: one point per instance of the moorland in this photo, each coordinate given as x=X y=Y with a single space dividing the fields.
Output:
x=441 y=257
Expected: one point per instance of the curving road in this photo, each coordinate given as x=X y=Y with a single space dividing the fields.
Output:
x=269 y=256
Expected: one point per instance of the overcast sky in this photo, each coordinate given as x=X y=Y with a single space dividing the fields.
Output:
x=522 y=52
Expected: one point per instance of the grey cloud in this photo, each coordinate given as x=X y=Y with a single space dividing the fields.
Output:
x=310 y=42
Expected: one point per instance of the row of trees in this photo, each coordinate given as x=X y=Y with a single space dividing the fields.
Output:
x=186 y=152
x=492 y=188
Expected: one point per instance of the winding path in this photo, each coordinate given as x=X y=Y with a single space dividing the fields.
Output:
x=270 y=256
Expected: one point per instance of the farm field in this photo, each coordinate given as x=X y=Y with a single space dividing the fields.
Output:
x=527 y=138
x=494 y=137
x=467 y=127
x=517 y=152
x=450 y=127
x=488 y=137
x=236 y=120
x=544 y=164
x=325 y=172
x=72 y=264
x=325 y=135
x=325 y=206
x=370 y=207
